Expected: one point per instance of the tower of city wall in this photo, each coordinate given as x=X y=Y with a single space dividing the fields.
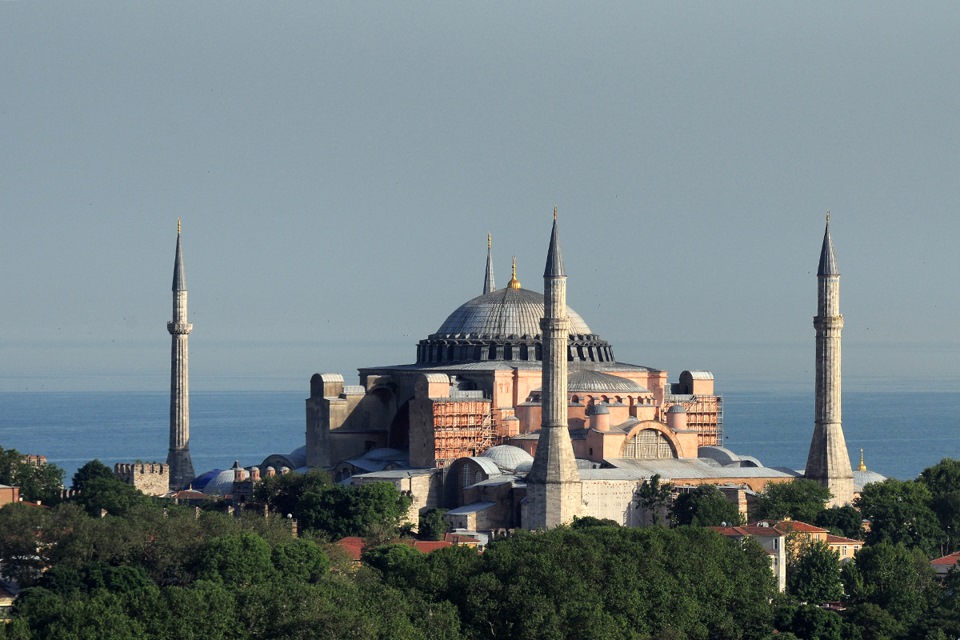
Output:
x=151 y=478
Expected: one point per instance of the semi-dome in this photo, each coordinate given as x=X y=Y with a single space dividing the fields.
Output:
x=505 y=325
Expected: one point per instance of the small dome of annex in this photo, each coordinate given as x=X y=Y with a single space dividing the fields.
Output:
x=508 y=457
x=220 y=484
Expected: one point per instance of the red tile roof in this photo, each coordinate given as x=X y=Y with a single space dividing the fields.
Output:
x=793 y=526
x=748 y=530
x=948 y=560
x=428 y=546
x=353 y=546
x=832 y=539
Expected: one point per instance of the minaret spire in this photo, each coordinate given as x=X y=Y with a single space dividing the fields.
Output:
x=553 y=484
x=178 y=459
x=828 y=461
x=488 y=284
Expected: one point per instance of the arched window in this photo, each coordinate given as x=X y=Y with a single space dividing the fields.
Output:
x=648 y=444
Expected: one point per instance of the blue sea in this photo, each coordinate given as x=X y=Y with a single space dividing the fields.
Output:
x=901 y=433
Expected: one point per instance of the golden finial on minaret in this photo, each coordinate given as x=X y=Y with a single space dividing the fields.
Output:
x=863 y=466
x=178 y=226
x=489 y=241
x=554 y=213
x=514 y=283
x=828 y=215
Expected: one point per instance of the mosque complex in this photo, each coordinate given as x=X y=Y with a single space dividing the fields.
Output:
x=516 y=415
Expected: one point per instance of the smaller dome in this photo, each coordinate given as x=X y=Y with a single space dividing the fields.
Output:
x=863 y=478
x=677 y=408
x=586 y=381
x=599 y=409
x=220 y=484
x=508 y=457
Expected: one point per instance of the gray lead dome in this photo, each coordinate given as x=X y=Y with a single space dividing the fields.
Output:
x=504 y=313
x=505 y=325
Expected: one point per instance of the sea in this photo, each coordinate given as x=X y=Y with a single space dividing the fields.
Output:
x=901 y=432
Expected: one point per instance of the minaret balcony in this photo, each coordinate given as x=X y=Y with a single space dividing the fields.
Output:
x=179 y=328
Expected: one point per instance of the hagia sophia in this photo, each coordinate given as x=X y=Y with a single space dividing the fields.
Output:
x=516 y=415
x=464 y=426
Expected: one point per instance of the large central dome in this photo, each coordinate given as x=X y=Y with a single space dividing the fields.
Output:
x=505 y=325
x=504 y=313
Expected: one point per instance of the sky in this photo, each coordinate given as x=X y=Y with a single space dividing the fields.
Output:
x=337 y=167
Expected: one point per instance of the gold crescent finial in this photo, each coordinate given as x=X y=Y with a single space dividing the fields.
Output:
x=178 y=226
x=554 y=213
x=828 y=215
x=489 y=241
x=514 y=283
x=863 y=466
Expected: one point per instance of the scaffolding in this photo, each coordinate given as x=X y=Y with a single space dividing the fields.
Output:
x=462 y=428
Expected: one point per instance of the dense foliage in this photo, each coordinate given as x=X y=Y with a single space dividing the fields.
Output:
x=705 y=506
x=801 y=500
x=42 y=483
x=147 y=569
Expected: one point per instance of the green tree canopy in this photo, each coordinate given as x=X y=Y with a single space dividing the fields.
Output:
x=432 y=526
x=843 y=521
x=236 y=560
x=897 y=579
x=941 y=478
x=899 y=512
x=813 y=573
x=36 y=482
x=340 y=511
x=89 y=471
x=282 y=492
x=705 y=506
x=801 y=500
x=110 y=494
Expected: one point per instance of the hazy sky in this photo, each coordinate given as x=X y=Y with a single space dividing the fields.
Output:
x=337 y=167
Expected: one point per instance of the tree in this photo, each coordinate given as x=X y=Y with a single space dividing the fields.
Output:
x=654 y=497
x=432 y=526
x=899 y=512
x=843 y=521
x=341 y=511
x=112 y=495
x=282 y=492
x=90 y=471
x=705 y=506
x=43 y=482
x=897 y=579
x=236 y=561
x=801 y=500
x=301 y=560
x=813 y=573
x=941 y=478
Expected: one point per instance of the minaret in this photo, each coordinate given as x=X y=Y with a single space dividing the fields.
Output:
x=553 y=484
x=829 y=462
x=181 y=467
x=488 y=284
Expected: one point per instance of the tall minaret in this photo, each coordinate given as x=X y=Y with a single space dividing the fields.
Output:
x=553 y=484
x=829 y=462
x=488 y=283
x=181 y=467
